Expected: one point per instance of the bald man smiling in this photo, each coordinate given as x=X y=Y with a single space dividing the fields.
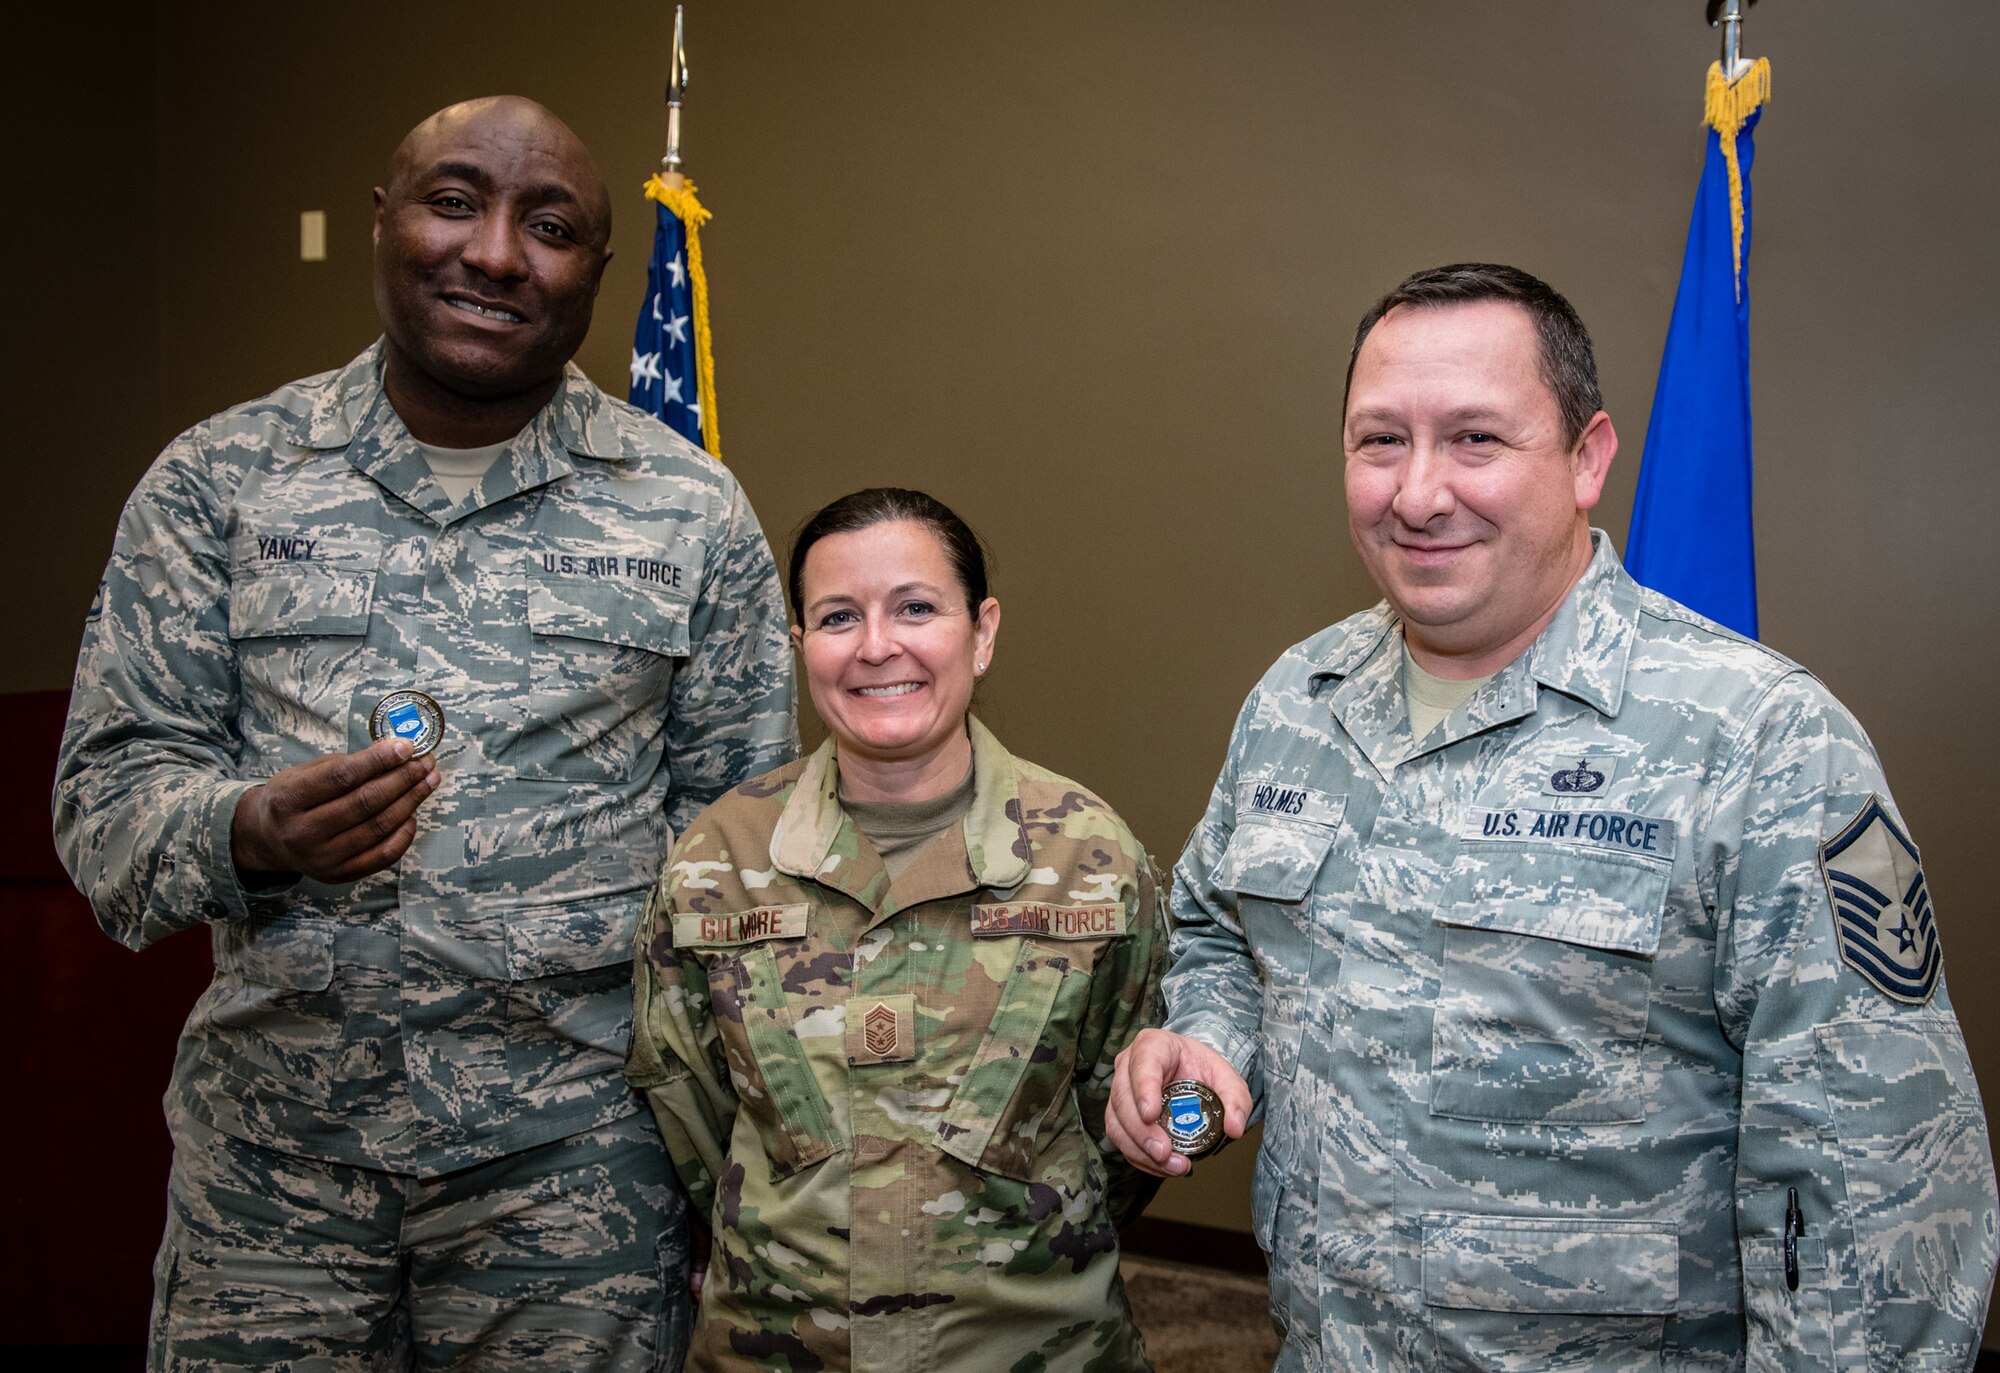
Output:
x=399 y=680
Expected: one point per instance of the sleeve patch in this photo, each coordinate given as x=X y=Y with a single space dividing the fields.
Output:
x=1881 y=907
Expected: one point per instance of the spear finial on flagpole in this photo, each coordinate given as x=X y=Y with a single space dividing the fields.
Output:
x=1728 y=15
x=677 y=84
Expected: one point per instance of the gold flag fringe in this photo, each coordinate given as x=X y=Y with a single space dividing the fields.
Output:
x=1726 y=108
x=692 y=216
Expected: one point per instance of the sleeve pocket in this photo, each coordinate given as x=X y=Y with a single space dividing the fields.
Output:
x=1787 y=1329
x=1919 y=1176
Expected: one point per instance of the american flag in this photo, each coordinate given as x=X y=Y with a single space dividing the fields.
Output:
x=673 y=364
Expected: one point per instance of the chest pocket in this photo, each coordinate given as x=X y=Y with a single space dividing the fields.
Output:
x=1547 y=984
x=1272 y=867
x=1010 y=1115
x=296 y=623
x=601 y=661
x=774 y=1083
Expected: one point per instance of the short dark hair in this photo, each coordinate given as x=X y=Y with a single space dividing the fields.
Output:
x=1568 y=364
x=885 y=505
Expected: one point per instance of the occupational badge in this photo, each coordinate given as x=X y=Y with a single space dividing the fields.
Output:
x=1586 y=775
x=1881 y=907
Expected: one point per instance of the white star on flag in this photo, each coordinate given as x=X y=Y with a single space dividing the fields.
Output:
x=673 y=387
x=676 y=328
x=645 y=367
x=679 y=270
x=657 y=316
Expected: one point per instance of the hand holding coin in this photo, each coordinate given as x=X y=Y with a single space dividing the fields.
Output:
x=335 y=819
x=1153 y=1071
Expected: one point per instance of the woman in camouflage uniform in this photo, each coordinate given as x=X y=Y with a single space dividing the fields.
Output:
x=879 y=995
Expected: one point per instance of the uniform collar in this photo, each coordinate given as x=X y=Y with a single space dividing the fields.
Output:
x=815 y=839
x=351 y=410
x=1583 y=652
x=1586 y=648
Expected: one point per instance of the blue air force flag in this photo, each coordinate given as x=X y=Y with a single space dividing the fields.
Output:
x=1881 y=907
x=673 y=363
x=1691 y=535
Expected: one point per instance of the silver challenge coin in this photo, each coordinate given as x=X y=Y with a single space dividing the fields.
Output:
x=1192 y=1114
x=408 y=715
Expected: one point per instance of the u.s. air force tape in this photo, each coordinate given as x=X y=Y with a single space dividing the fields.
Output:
x=1192 y=1113
x=408 y=715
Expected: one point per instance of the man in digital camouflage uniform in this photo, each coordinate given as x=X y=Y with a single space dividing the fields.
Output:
x=402 y=1136
x=1571 y=945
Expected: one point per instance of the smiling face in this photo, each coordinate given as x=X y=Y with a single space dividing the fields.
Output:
x=1463 y=500
x=489 y=247
x=892 y=651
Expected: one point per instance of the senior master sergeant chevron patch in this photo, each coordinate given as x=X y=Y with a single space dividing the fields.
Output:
x=1881 y=908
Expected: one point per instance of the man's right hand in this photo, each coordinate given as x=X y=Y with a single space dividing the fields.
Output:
x=1147 y=1065
x=334 y=819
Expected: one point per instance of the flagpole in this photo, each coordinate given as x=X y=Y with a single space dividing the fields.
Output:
x=1728 y=16
x=1692 y=535
x=677 y=84
x=673 y=369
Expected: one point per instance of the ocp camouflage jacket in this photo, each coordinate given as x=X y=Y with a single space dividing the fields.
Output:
x=889 y=1097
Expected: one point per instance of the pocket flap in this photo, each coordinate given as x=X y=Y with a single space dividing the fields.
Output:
x=298 y=600
x=277 y=952
x=544 y=941
x=1558 y=1266
x=1276 y=862
x=1599 y=903
x=631 y=616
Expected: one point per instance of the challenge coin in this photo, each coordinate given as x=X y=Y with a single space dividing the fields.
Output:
x=408 y=715
x=1192 y=1114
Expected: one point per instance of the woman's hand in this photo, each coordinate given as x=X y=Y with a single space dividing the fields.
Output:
x=1147 y=1065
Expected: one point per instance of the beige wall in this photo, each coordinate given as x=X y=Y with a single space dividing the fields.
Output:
x=1086 y=271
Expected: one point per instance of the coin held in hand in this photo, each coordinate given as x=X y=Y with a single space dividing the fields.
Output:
x=408 y=715
x=1192 y=1114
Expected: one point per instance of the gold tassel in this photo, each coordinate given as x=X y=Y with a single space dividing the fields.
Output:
x=680 y=200
x=1726 y=108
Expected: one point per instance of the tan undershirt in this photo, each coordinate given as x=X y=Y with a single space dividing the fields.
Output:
x=898 y=829
x=1432 y=698
x=458 y=470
